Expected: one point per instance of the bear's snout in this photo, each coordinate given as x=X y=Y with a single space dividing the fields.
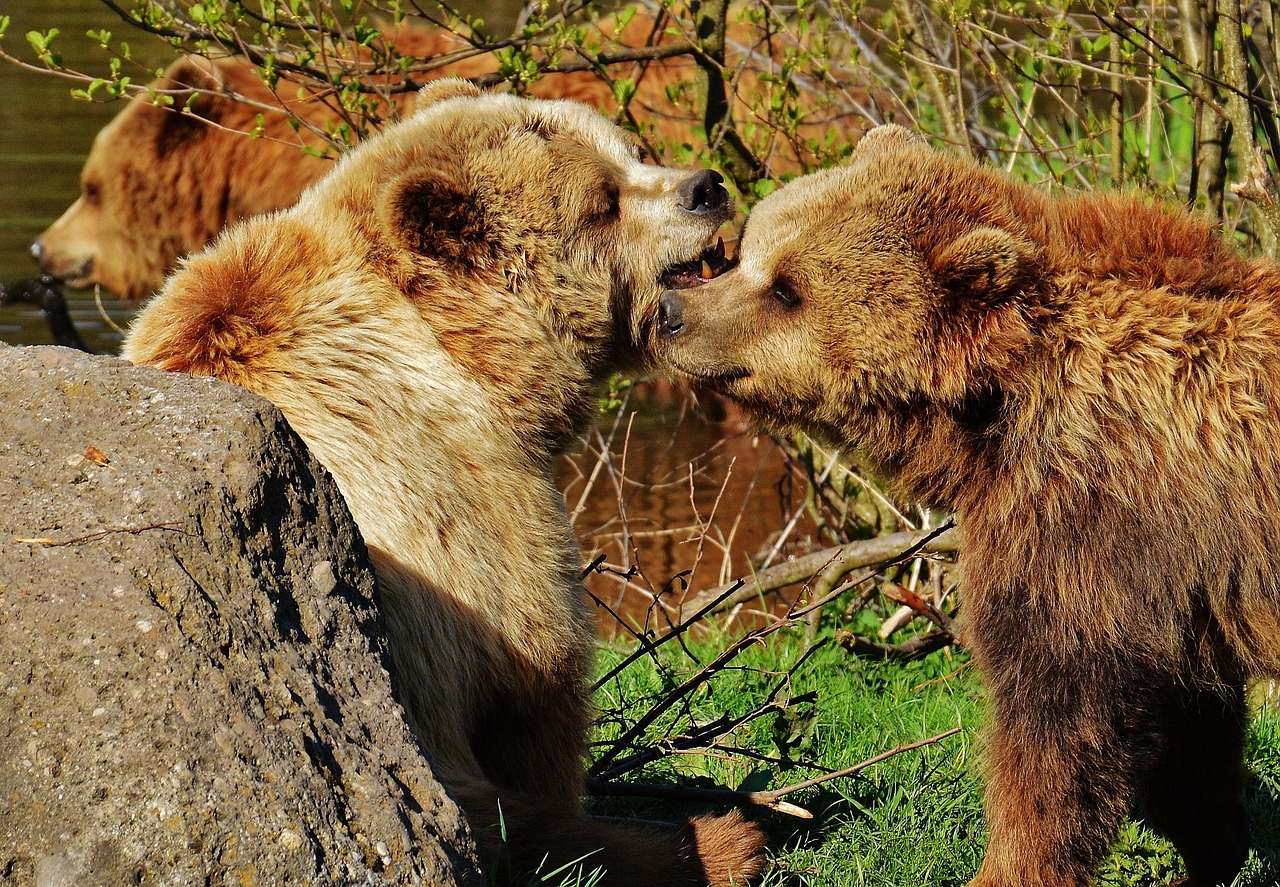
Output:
x=61 y=265
x=670 y=314
x=703 y=192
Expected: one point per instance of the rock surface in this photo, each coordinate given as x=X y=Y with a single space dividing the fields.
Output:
x=193 y=684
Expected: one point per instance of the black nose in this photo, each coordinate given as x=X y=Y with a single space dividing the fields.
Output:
x=703 y=192
x=670 y=314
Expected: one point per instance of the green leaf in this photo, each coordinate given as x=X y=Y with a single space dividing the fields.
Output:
x=763 y=187
x=623 y=89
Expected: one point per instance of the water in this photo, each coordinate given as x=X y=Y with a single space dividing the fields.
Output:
x=671 y=493
x=44 y=138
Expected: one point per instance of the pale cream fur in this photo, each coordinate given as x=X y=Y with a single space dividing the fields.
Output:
x=434 y=318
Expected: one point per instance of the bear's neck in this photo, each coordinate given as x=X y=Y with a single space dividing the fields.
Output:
x=1114 y=381
x=538 y=385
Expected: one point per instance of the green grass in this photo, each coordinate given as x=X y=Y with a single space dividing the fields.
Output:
x=915 y=818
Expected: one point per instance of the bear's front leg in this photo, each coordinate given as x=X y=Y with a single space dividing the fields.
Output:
x=1073 y=734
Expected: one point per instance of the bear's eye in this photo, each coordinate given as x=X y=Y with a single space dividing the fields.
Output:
x=784 y=294
x=92 y=193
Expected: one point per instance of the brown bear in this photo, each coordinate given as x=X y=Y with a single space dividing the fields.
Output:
x=1092 y=384
x=158 y=185
x=434 y=318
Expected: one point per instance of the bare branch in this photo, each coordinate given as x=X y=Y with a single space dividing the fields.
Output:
x=839 y=559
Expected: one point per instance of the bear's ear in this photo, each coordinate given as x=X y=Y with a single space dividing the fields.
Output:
x=432 y=214
x=886 y=137
x=189 y=82
x=987 y=263
x=193 y=72
x=445 y=88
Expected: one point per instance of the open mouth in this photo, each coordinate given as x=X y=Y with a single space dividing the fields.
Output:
x=708 y=264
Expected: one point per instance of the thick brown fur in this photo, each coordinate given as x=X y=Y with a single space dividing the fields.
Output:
x=159 y=184
x=435 y=318
x=1092 y=383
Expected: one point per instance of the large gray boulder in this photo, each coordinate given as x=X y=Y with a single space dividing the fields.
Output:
x=193 y=681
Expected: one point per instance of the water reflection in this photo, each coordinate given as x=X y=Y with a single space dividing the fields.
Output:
x=672 y=502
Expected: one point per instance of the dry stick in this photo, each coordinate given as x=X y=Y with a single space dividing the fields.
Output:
x=783 y=536
x=915 y=648
x=701 y=739
x=770 y=799
x=848 y=557
x=102 y=312
x=626 y=546
x=650 y=646
x=133 y=531
x=683 y=690
x=704 y=526
x=635 y=635
x=605 y=444
x=726 y=564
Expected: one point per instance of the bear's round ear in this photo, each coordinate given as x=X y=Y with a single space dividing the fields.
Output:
x=429 y=213
x=886 y=137
x=987 y=263
x=193 y=72
x=445 y=88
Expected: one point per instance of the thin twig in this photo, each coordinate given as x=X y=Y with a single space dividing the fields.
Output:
x=133 y=531
x=916 y=648
x=102 y=312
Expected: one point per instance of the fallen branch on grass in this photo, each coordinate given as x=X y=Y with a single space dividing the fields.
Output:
x=829 y=562
x=915 y=648
x=769 y=799
x=906 y=546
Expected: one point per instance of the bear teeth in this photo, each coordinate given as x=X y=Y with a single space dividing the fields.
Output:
x=710 y=263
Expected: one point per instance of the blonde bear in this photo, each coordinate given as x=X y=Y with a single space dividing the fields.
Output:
x=435 y=318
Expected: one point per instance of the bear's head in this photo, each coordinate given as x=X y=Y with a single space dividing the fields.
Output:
x=888 y=285
x=542 y=212
x=524 y=241
x=161 y=182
